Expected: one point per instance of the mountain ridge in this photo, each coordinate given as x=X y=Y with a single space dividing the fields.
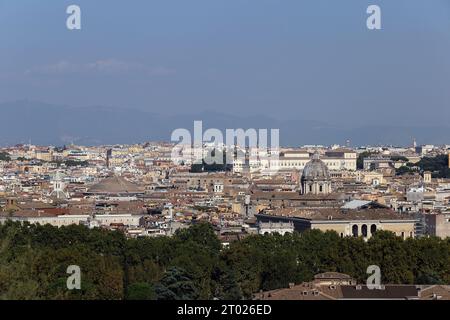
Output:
x=51 y=124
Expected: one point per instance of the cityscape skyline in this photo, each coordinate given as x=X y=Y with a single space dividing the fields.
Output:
x=224 y=150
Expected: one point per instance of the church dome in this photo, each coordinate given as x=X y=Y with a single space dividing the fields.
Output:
x=115 y=185
x=315 y=169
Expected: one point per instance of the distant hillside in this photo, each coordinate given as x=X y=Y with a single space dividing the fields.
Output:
x=47 y=124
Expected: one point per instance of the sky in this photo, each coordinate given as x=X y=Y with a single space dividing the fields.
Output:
x=285 y=59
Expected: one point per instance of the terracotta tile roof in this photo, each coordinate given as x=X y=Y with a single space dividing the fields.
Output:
x=312 y=291
x=435 y=292
x=337 y=214
x=388 y=292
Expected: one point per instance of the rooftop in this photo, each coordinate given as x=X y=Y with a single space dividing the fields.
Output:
x=115 y=185
x=337 y=214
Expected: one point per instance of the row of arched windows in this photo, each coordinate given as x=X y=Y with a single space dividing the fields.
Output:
x=364 y=229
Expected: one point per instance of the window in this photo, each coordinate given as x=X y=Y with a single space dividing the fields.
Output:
x=364 y=230
x=355 y=230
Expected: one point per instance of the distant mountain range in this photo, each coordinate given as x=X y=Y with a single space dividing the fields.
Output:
x=46 y=124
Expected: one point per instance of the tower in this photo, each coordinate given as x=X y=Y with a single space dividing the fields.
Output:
x=58 y=187
x=108 y=157
x=427 y=177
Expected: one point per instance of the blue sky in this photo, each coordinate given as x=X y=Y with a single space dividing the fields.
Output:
x=308 y=59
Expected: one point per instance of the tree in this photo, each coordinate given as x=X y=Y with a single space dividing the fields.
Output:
x=201 y=233
x=429 y=277
x=227 y=287
x=403 y=170
x=399 y=158
x=4 y=156
x=390 y=253
x=141 y=291
x=280 y=269
x=193 y=265
x=437 y=165
x=360 y=159
x=176 y=285
x=208 y=165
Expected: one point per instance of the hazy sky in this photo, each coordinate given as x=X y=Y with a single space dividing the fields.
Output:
x=310 y=59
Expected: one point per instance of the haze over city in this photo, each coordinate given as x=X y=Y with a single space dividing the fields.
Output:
x=308 y=62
